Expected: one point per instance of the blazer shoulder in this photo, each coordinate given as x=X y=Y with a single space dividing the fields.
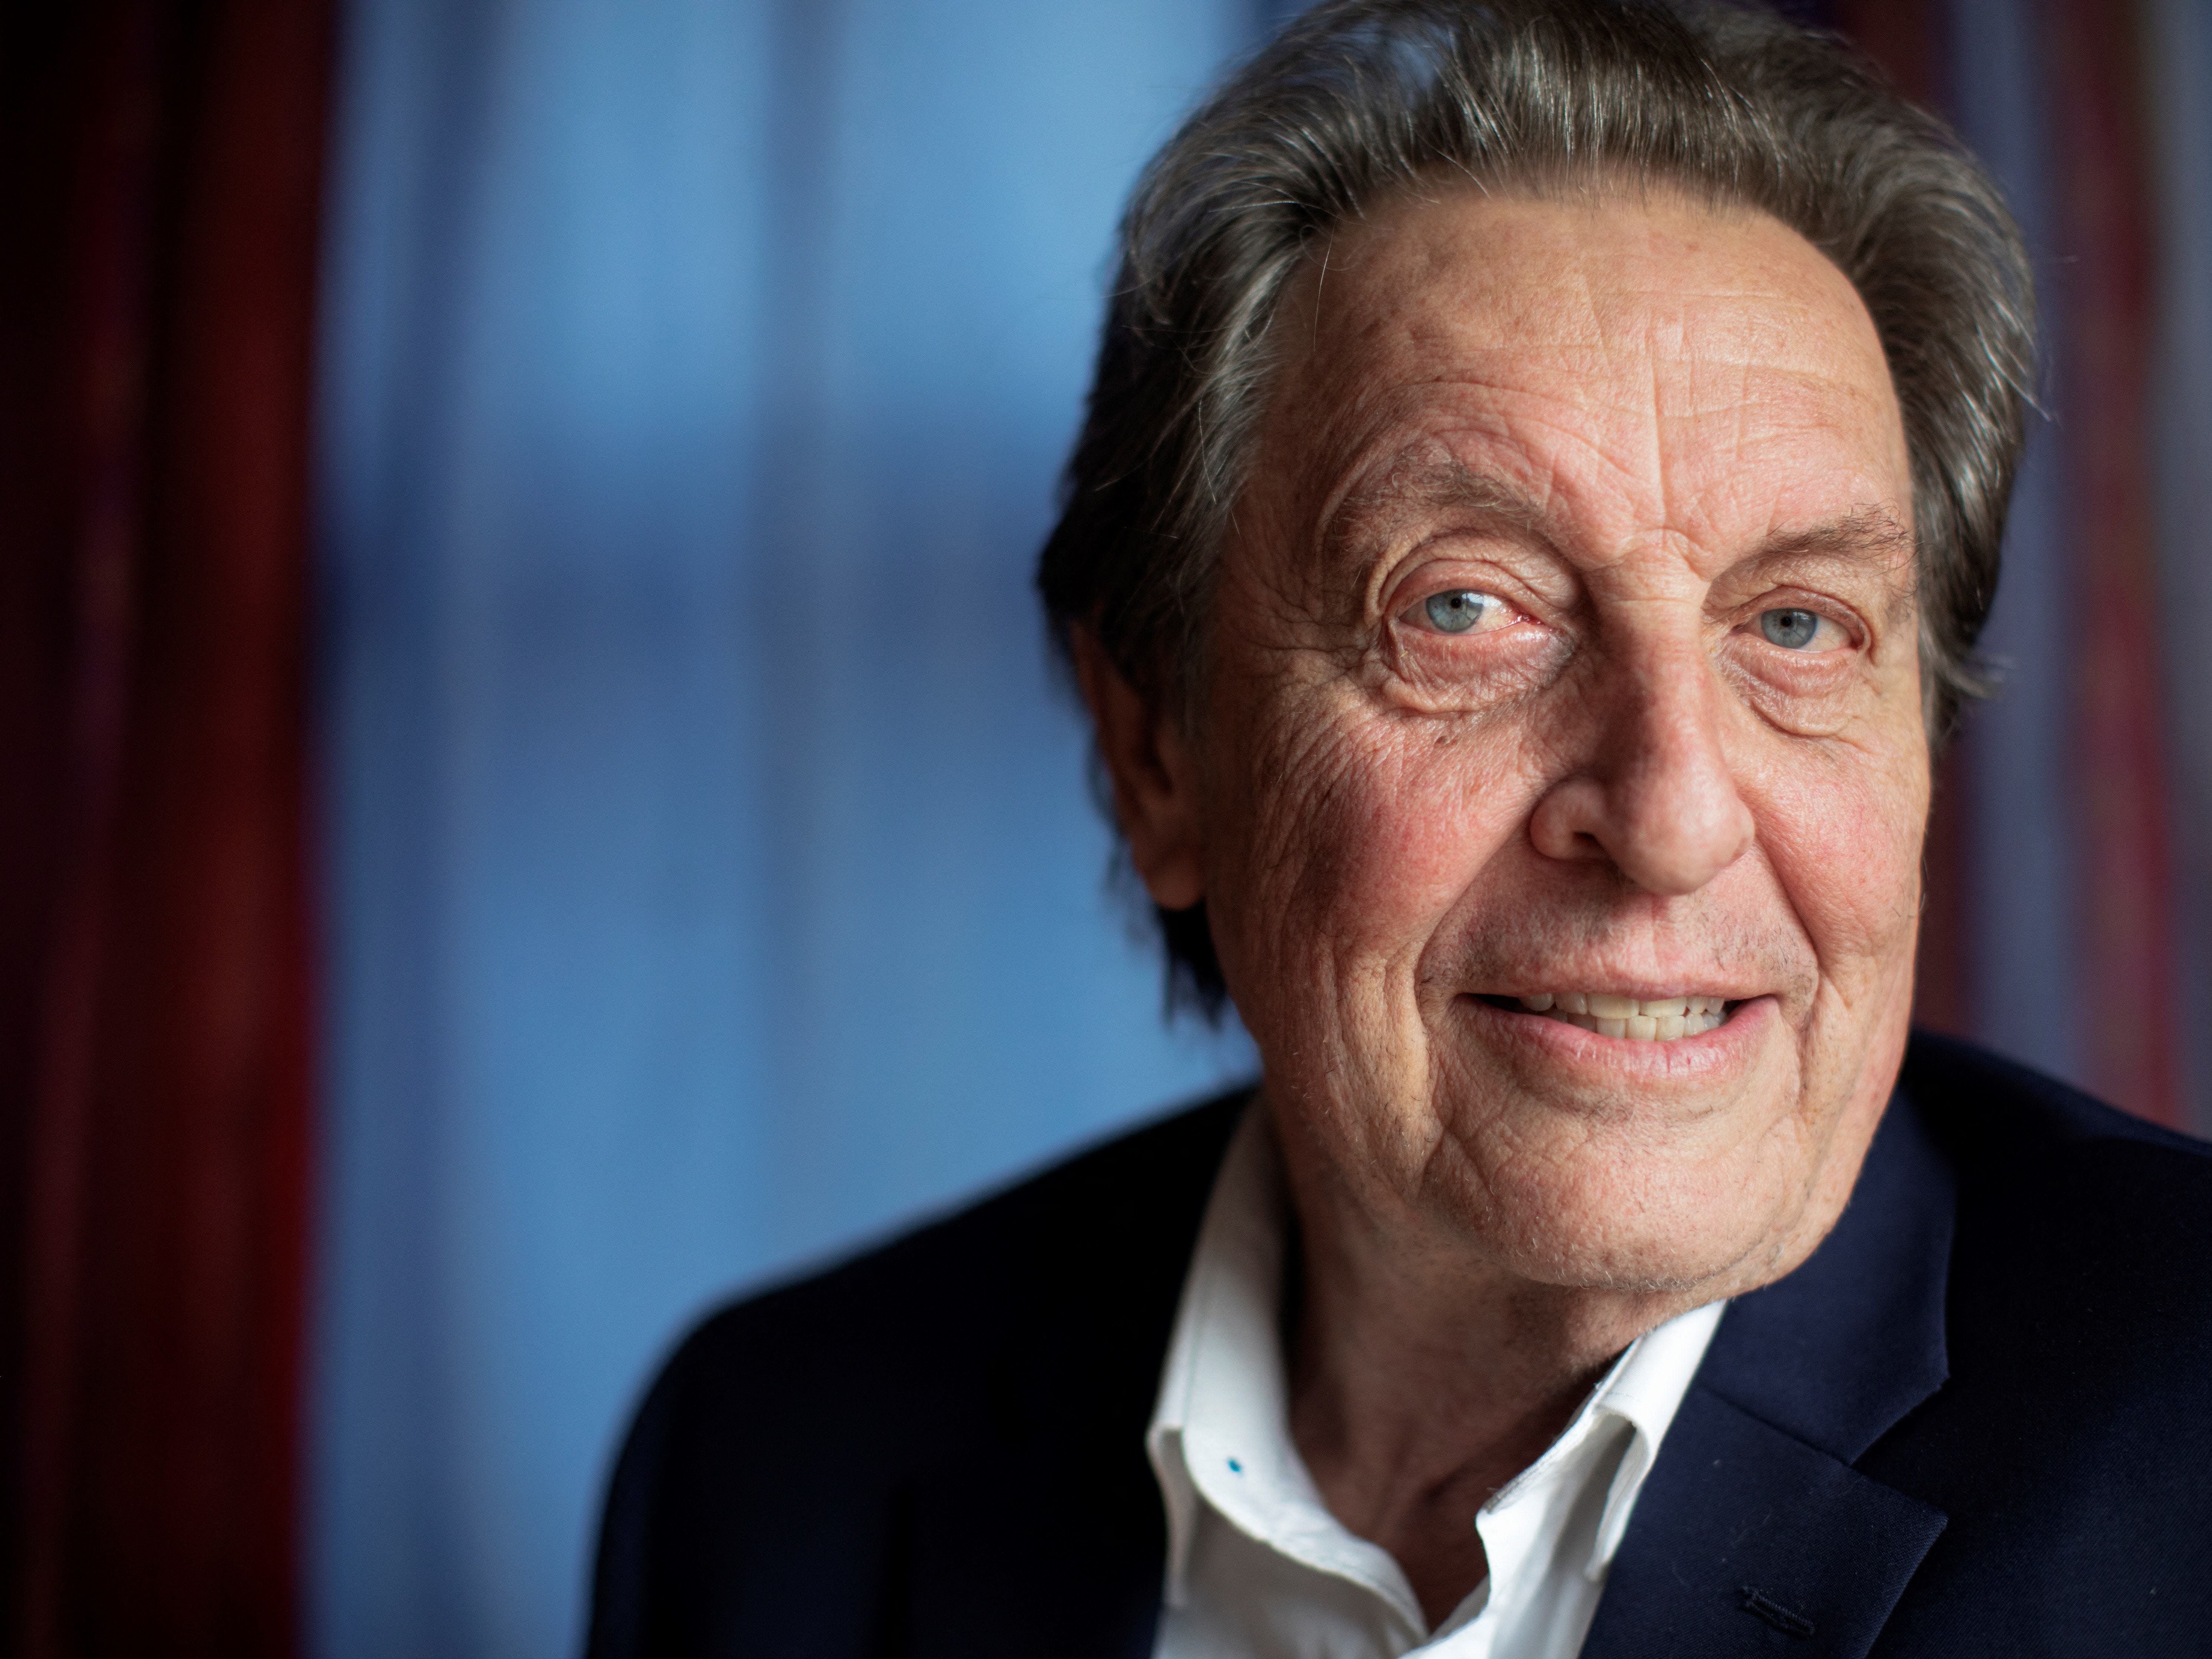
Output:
x=2001 y=1120
x=772 y=1449
x=2082 y=1224
x=937 y=1298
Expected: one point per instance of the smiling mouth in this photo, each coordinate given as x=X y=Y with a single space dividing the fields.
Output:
x=1650 y=1019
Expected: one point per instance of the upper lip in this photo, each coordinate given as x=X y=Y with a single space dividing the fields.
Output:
x=1642 y=990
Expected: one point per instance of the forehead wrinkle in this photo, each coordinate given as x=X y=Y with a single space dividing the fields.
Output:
x=1428 y=476
x=1419 y=480
x=1638 y=354
x=1761 y=415
x=1688 y=382
x=1617 y=345
x=1683 y=357
x=1762 y=404
x=1662 y=473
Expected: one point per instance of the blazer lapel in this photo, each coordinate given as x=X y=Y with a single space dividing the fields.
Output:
x=1745 y=1535
x=1754 y=1533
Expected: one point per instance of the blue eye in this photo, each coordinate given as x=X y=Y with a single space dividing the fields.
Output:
x=1457 y=612
x=1792 y=629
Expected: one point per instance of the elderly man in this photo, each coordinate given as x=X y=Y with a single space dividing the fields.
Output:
x=1542 y=485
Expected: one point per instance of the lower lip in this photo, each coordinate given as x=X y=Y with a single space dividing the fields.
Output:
x=1727 y=1046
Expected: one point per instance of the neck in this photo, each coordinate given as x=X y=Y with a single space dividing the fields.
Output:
x=1423 y=1379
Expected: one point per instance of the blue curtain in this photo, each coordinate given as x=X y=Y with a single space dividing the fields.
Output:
x=713 y=881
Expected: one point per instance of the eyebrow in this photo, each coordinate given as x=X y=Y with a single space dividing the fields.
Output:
x=1861 y=530
x=1411 y=487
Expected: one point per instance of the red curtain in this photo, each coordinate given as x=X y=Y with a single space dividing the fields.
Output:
x=2108 y=316
x=159 y=174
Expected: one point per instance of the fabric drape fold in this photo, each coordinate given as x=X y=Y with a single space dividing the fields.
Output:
x=161 y=168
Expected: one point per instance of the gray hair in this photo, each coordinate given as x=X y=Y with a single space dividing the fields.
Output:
x=1360 y=98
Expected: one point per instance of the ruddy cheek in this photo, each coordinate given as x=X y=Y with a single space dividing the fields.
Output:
x=1410 y=824
x=1849 y=856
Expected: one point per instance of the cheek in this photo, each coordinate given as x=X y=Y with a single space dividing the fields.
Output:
x=1843 y=828
x=1361 y=830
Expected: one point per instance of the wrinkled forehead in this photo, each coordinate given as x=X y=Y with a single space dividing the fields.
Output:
x=1455 y=265
x=1648 y=355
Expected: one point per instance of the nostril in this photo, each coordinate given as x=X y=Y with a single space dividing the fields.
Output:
x=1569 y=824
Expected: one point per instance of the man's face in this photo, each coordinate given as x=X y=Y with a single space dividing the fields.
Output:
x=1566 y=644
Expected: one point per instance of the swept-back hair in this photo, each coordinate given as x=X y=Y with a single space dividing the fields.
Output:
x=1359 y=98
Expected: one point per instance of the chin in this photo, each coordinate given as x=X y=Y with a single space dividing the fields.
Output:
x=1603 y=1217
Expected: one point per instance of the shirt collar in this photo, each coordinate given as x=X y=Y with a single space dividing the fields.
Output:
x=1220 y=1431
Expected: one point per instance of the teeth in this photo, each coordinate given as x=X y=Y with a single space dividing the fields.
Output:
x=1653 y=1019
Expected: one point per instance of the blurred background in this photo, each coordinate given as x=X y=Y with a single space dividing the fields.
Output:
x=533 y=797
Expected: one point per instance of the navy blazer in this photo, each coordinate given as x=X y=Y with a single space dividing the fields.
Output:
x=1976 y=1421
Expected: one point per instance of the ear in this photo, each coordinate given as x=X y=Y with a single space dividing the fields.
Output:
x=1154 y=796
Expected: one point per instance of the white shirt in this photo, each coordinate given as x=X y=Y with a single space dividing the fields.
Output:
x=1257 y=1567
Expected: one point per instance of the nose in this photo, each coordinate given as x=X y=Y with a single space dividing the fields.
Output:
x=1657 y=799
